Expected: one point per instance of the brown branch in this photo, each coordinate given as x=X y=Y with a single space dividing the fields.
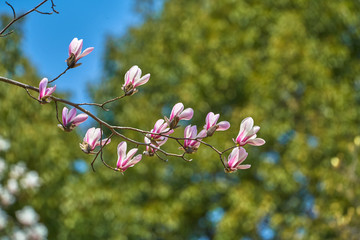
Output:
x=114 y=129
x=15 y=19
x=12 y=8
x=103 y=104
x=59 y=75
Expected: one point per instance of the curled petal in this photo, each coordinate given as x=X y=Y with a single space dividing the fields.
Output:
x=86 y=52
x=42 y=87
x=187 y=114
x=142 y=80
x=79 y=119
x=179 y=107
x=121 y=150
x=256 y=142
x=64 y=115
x=223 y=125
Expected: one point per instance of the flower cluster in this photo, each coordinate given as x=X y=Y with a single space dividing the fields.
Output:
x=75 y=54
x=162 y=130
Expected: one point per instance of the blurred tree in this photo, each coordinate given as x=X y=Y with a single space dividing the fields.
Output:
x=291 y=65
x=36 y=140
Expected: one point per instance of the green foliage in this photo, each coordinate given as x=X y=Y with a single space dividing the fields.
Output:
x=291 y=65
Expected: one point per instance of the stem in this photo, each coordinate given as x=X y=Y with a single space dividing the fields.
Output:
x=21 y=16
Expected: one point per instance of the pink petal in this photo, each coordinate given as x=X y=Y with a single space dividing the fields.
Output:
x=80 y=119
x=105 y=140
x=213 y=120
x=187 y=114
x=121 y=150
x=223 y=125
x=95 y=137
x=176 y=110
x=132 y=73
x=202 y=134
x=246 y=125
x=132 y=162
x=72 y=46
x=158 y=124
x=242 y=155
x=233 y=156
x=42 y=87
x=142 y=80
x=131 y=153
x=78 y=48
x=256 y=142
x=86 y=52
x=246 y=166
x=71 y=115
x=64 y=116
x=208 y=118
x=89 y=137
x=50 y=90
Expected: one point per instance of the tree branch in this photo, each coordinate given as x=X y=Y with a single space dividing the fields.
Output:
x=15 y=19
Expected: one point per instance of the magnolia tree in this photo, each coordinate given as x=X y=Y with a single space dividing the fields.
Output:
x=154 y=142
x=15 y=181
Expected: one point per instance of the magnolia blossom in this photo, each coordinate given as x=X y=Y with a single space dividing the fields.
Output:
x=178 y=113
x=153 y=146
x=71 y=120
x=126 y=160
x=236 y=157
x=92 y=140
x=211 y=124
x=154 y=140
x=44 y=91
x=133 y=79
x=247 y=133
x=160 y=127
x=75 y=54
x=190 y=146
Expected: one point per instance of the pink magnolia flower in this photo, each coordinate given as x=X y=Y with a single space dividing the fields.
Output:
x=160 y=127
x=153 y=146
x=75 y=54
x=126 y=160
x=190 y=146
x=71 y=120
x=247 y=133
x=236 y=157
x=211 y=124
x=178 y=113
x=133 y=79
x=44 y=91
x=92 y=140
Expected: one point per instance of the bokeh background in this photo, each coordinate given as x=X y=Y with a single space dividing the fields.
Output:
x=293 y=65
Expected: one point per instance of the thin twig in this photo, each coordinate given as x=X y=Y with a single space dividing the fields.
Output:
x=57 y=115
x=59 y=75
x=15 y=19
x=12 y=8
x=103 y=104
x=31 y=95
x=53 y=7
x=45 y=13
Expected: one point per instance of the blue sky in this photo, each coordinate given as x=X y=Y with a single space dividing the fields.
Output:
x=47 y=37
